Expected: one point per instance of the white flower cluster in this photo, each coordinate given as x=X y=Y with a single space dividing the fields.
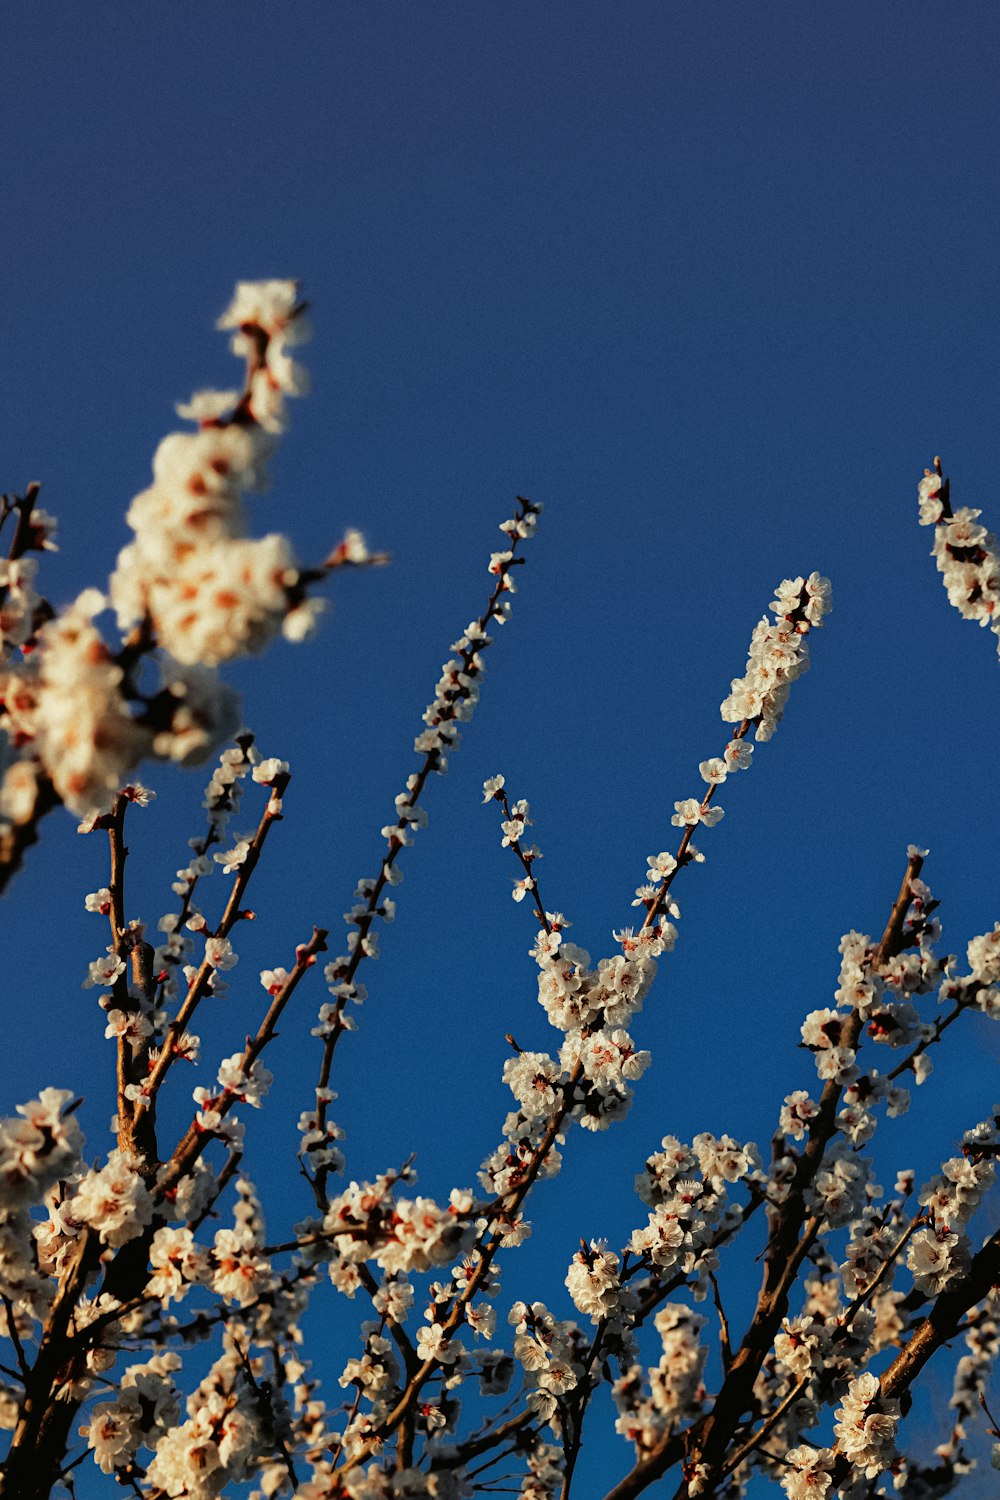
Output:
x=114 y=1201
x=66 y=703
x=841 y=1187
x=550 y=1353
x=778 y=654
x=211 y=592
x=375 y=1375
x=192 y=582
x=577 y=998
x=176 y=1264
x=674 y=1389
x=866 y=1426
x=593 y=1281
x=939 y=1253
x=145 y=1410
x=227 y=1432
x=884 y=1000
x=38 y=1148
x=687 y=1189
x=589 y=1082
x=545 y=1476
x=966 y=554
x=238 y=1271
x=401 y=1235
x=808 y=1472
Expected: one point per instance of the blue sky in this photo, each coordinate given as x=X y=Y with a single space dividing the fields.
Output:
x=713 y=282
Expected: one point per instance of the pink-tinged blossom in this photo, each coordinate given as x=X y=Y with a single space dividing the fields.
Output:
x=247 y=1087
x=937 y=1257
x=219 y=953
x=738 y=755
x=797 y=1112
x=661 y=866
x=130 y=1026
x=176 y=1264
x=273 y=979
x=104 y=971
x=267 y=772
x=237 y=1271
x=714 y=770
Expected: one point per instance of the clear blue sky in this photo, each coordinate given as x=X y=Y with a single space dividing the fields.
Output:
x=712 y=281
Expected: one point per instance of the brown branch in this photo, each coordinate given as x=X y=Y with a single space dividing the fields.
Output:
x=767 y=1427
x=726 y=1347
x=942 y=1322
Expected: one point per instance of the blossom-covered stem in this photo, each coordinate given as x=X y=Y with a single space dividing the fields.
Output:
x=526 y=862
x=230 y=916
x=196 y=1138
x=399 y=1334
x=785 y=1247
x=942 y=1323
x=485 y=1252
x=789 y=1239
x=656 y=907
x=508 y=1203
x=655 y=1294
x=200 y=847
x=883 y=1270
x=136 y=1140
x=476 y=641
x=940 y=1027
